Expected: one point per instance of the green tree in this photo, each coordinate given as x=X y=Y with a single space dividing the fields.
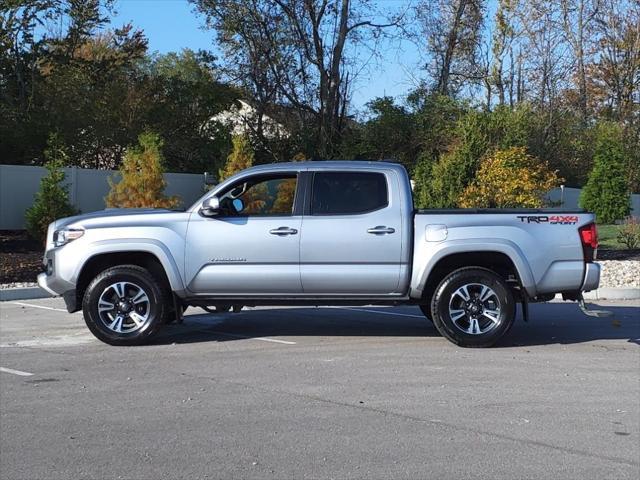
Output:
x=388 y=134
x=241 y=157
x=63 y=69
x=607 y=190
x=187 y=93
x=632 y=143
x=96 y=96
x=421 y=182
x=436 y=117
x=455 y=169
x=441 y=183
x=59 y=73
x=142 y=184
x=52 y=200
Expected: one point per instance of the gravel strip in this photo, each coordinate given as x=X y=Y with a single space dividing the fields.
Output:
x=620 y=273
x=6 y=286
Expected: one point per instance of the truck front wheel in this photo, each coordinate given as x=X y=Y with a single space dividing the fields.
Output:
x=125 y=305
x=473 y=307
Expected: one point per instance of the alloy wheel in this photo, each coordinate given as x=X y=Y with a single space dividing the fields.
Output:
x=474 y=308
x=124 y=307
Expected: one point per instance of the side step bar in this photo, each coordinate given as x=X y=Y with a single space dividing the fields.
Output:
x=592 y=313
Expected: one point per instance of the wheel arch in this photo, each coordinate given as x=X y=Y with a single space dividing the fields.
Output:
x=496 y=260
x=159 y=263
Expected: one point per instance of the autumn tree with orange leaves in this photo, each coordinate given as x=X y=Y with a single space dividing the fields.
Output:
x=142 y=184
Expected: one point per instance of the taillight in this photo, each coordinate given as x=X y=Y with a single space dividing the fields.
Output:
x=589 y=239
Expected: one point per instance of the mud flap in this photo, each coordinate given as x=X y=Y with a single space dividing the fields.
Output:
x=525 y=307
x=178 y=309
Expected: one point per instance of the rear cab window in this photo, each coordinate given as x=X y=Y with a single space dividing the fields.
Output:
x=348 y=193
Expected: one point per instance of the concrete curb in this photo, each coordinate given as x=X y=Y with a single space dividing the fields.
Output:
x=23 y=293
x=628 y=293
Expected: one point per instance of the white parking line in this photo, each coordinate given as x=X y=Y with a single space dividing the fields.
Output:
x=262 y=339
x=235 y=335
x=39 y=306
x=380 y=312
x=16 y=372
x=80 y=338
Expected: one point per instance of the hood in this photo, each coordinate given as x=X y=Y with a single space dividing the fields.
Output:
x=126 y=218
x=100 y=216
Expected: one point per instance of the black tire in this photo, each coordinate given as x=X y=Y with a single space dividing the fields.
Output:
x=473 y=328
x=156 y=307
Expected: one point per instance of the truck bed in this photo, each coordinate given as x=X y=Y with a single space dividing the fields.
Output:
x=543 y=243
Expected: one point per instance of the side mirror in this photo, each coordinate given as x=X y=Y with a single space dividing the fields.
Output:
x=210 y=207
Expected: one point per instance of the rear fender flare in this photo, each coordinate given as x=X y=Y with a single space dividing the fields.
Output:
x=506 y=247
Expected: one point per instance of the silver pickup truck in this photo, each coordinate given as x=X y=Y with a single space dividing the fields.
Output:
x=317 y=233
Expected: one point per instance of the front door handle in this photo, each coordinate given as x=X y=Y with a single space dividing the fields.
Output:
x=282 y=231
x=381 y=230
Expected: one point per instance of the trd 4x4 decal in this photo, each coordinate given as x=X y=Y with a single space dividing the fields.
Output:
x=551 y=219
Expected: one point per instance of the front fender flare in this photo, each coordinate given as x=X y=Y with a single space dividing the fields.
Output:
x=147 y=245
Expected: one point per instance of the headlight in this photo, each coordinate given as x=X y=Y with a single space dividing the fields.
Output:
x=66 y=235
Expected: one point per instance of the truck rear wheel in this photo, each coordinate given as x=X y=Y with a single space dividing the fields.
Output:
x=473 y=307
x=125 y=305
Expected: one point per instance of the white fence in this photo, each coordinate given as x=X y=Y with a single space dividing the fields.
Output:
x=87 y=189
x=571 y=196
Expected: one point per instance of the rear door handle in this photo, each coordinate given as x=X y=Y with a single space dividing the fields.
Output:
x=282 y=231
x=381 y=230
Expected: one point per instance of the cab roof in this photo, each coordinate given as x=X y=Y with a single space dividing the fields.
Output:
x=325 y=165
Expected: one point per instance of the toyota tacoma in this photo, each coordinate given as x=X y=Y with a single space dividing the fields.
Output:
x=318 y=233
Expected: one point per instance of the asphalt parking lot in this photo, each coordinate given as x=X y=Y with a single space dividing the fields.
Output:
x=320 y=393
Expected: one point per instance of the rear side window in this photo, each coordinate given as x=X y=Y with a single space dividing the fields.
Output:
x=348 y=193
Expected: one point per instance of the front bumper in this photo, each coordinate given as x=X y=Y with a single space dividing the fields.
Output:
x=43 y=283
x=53 y=284
x=55 y=287
x=591 y=277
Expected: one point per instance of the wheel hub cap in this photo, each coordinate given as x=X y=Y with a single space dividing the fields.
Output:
x=474 y=308
x=124 y=307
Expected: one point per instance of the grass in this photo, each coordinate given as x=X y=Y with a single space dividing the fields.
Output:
x=607 y=237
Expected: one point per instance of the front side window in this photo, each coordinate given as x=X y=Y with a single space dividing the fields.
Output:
x=260 y=196
x=348 y=193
